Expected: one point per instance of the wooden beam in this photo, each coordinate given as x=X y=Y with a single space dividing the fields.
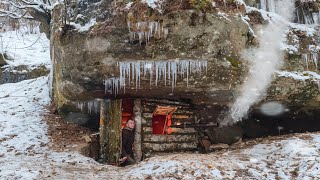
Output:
x=110 y=131
x=137 y=138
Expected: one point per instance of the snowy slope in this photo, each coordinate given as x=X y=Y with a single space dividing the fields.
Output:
x=23 y=139
x=24 y=48
x=24 y=153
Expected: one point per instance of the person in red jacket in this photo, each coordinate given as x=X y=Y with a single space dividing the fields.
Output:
x=127 y=143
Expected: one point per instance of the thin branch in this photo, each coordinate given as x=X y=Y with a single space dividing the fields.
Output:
x=14 y=15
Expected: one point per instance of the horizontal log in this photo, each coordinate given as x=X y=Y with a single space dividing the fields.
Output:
x=169 y=146
x=148 y=121
x=194 y=125
x=164 y=101
x=169 y=138
x=174 y=130
x=155 y=104
x=178 y=111
x=176 y=116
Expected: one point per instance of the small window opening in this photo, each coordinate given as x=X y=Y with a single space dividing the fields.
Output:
x=161 y=120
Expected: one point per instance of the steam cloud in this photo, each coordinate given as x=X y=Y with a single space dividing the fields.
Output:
x=263 y=62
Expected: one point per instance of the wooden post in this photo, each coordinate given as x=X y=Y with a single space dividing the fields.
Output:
x=102 y=130
x=110 y=131
x=137 y=136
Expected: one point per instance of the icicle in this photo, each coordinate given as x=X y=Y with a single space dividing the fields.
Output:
x=187 y=70
x=129 y=25
x=151 y=74
x=164 y=71
x=165 y=74
x=315 y=59
x=156 y=28
x=157 y=73
x=89 y=105
x=140 y=37
x=80 y=106
x=305 y=57
x=165 y=33
x=159 y=32
x=315 y=18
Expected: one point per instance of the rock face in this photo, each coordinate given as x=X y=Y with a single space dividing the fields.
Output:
x=84 y=58
x=2 y=60
x=20 y=73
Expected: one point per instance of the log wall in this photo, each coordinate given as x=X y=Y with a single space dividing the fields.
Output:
x=181 y=139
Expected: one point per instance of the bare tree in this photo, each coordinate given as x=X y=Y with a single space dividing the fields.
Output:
x=38 y=10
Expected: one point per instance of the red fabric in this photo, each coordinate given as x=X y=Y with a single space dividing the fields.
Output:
x=125 y=117
x=127 y=110
x=158 y=124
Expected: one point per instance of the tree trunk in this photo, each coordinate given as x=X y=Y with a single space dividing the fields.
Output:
x=137 y=136
x=110 y=131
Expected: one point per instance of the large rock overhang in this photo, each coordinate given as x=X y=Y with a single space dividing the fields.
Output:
x=84 y=60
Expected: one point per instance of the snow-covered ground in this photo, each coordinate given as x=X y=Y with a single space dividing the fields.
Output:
x=24 y=152
x=295 y=157
x=25 y=48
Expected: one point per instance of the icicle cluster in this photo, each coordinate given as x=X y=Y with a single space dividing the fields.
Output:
x=303 y=14
x=144 y=31
x=310 y=58
x=305 y=17
x=91 y=106
x=112 y=85
x=165 y=71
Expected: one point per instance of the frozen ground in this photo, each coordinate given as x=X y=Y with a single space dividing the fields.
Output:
x=25 y=48
x=24 y=152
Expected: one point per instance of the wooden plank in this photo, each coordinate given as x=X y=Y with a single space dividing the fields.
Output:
x=174 y=130
x=169 y=138
x=164 y=110
x=169 y=146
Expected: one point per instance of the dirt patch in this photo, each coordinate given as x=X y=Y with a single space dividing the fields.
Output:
x=65 y=136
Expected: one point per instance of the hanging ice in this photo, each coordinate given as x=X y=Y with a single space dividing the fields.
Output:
x=145 y=30
x=166 y=72
x=310 y=58
x=92 y=106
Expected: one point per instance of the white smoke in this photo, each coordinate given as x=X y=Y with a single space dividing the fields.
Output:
x=263 y=62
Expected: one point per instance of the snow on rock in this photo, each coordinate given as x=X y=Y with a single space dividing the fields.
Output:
x=86 y=27
x=299 y=75
x=24 y=48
